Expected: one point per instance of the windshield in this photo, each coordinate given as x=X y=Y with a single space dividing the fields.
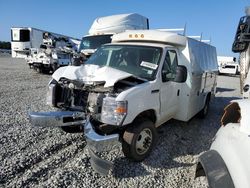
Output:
x=94 y=42
x=141 y=61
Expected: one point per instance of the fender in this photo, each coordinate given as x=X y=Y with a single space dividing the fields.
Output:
x=211 y=165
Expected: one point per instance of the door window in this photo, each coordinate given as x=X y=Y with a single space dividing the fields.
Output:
x=169 y=66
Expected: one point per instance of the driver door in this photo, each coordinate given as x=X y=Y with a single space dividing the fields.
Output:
x=169 y=90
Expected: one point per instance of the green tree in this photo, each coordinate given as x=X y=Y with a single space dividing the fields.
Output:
x=5 y=45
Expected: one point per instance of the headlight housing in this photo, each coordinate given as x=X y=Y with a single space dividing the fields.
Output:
x=113 y=112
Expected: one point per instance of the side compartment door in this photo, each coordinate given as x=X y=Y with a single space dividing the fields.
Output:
x=169 y=91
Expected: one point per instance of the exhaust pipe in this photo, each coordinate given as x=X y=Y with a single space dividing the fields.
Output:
x=56 y=119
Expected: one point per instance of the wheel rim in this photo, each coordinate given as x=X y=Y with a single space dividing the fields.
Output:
x=144 y=141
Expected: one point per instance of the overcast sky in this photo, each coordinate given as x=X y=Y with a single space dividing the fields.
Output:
x=215 y=19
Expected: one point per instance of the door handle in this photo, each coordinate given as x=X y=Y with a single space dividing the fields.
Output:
x=155 y=91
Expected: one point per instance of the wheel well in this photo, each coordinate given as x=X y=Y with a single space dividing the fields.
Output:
x=150 y=114
x=211 y=165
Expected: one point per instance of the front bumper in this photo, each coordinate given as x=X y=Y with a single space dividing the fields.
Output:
x=98 y=143
x=56 y=119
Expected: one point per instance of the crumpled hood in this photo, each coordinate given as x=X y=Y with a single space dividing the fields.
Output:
x=91 y=73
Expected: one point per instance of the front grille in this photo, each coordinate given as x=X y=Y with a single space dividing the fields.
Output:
x=80 y=98
x=67 y=98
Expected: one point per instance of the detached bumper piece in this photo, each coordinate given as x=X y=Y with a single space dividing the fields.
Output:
x=97 y=143
x=56 y=119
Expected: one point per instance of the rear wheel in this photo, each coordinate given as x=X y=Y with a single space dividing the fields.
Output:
x=39 y=70
x=139 y=139
x=54 y=67
x=203 y=113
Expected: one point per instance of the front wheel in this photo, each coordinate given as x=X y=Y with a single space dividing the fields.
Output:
x=139 y=139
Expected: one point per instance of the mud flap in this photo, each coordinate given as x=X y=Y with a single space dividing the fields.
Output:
x=100 y=165
x=212 y=166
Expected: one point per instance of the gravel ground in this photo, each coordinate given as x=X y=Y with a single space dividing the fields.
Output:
x=46 y=157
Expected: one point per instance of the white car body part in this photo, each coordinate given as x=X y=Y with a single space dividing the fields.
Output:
x=231 y=143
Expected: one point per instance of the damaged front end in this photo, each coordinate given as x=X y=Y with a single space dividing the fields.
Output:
x=92 y=108
x=75 y=101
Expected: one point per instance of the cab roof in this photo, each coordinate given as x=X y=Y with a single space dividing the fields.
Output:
x=154 y=36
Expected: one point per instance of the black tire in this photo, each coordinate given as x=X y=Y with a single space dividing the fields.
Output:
x=203 y=113
x=72 y=129
x=139 y=139
x=39 y=70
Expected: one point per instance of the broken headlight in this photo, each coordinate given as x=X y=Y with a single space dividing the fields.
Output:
x=113 y=112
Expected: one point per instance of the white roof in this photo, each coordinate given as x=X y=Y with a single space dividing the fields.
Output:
x=118 y=23
x=151 y=36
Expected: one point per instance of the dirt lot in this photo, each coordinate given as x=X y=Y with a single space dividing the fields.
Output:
x=36 y=157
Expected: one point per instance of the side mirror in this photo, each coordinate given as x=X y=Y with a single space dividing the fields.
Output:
x=181 y=74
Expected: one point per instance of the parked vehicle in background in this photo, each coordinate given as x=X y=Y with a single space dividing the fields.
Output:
x=103 y=28
x=25 y=38
x=241 y=45
x=128 y=88
x=53 y=53
x=228 y=65
x=227 y=163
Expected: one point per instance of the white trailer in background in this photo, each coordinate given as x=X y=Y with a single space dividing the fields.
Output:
x=103 y=28
x=228 y=65
x=25 y=38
